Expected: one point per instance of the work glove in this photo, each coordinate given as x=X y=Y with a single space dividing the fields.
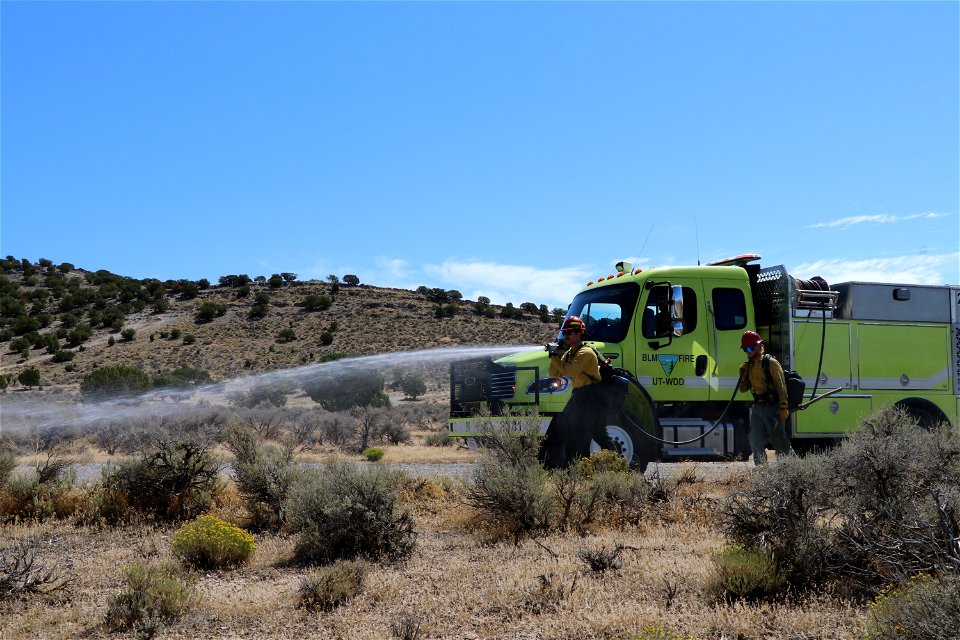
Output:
x=784 y=414
x=743 y=370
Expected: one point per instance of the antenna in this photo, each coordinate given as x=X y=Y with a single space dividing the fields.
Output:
x=696 y=233
x=645 y=240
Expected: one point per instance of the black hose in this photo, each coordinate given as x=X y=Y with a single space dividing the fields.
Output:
x=639 y=428
x=823 y=341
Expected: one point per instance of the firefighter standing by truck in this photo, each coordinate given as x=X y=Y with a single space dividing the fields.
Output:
x=763 y=375
x=583 y=419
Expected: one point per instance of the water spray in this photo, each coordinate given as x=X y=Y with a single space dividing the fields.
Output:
x=46 y=412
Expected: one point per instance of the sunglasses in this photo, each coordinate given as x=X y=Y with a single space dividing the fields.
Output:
x=748 y=349
x=568 y=332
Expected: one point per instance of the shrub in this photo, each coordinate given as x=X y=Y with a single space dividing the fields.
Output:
x=510 y=488
x=924 y=607
x=175 y=333
x=373 y=454
x=182 y=377
x=29 y=377
x=128 y=334
x=177 y=479
x=602 y=559
x=286 y=335
x=395 y=432
x=111 y=341
x=211 y=543
x=261 y=395
x=326 y=338
x=603 y=461
x=407 y=626
x=315 y=302
x=876 y=510
x=328 y=587
x=438 y=439
x=19 y=344
x=116 y=380
x=263 y=477
x=49 y=341
x=343 y=511
x=349 y=388
x=189 y=339
x=35 y=498
x=21 y=573
x=351 y=280
x=8 y=462
x=742 y=574
x=413 y=386
x=63 y=356
x=154 y=595
x=209 y=310
x=585 y=495
x=515 y=496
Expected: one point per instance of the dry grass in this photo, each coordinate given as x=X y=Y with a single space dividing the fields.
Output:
x=456 y=584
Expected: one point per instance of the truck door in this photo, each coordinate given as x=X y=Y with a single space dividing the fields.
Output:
x=728 y=314
x=672 y=357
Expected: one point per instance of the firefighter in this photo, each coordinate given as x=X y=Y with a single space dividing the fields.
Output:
x=568 y=437
x=770 y=408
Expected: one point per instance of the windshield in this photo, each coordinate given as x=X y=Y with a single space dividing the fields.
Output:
x=607 y=311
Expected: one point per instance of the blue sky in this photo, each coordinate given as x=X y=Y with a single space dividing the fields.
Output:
x=513 y=150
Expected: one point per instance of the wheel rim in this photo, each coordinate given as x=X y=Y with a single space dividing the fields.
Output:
x=620 y=438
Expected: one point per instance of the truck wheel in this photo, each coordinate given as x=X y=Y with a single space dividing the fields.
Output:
x=923 y=420
x=631 y=444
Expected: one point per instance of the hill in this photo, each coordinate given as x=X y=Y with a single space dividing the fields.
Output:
x=236 y=328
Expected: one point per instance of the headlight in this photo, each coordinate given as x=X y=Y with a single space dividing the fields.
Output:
x=548 y=385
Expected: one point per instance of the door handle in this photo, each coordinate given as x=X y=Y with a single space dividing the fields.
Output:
x=701 y=366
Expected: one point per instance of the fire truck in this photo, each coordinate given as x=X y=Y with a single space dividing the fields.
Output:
x=677 y=331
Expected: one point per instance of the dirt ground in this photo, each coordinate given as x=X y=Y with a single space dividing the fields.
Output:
x=457 y=584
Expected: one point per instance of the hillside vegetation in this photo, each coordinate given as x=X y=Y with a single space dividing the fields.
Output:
x=64 y=322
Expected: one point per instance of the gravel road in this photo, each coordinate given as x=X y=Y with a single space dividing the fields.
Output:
x=707 y=471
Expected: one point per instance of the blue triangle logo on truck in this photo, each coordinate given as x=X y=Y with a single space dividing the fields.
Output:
x=668 y=363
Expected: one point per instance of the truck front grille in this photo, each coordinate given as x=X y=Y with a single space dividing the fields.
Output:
x=474 y=383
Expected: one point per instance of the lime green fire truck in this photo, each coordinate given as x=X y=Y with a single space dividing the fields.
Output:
x=677 y=331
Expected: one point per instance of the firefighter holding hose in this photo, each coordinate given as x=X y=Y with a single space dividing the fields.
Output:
x=568 y=437
x=762 y=374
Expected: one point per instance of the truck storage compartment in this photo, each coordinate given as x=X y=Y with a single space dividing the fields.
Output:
x=832 y=416
x=898 y=302
x=903 y=356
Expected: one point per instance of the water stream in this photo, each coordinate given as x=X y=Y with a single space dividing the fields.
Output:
x=28 y=411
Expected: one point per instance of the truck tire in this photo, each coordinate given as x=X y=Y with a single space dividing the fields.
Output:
x=924 y=420
x=639 y=450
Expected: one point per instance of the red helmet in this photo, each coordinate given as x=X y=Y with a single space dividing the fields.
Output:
x=750 y=339
x=574 y=322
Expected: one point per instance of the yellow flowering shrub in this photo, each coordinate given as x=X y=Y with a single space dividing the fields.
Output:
x=602 y=461
x=210 y=543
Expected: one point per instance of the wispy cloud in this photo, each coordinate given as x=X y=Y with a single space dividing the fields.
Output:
x=504 y=283
x=392 y=269
x=910 y=269
x=849 y=221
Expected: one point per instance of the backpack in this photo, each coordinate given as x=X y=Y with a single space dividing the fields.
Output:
x=607 y=370
x=796 y=387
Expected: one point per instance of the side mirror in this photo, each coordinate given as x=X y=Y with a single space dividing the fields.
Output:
x=676 y=309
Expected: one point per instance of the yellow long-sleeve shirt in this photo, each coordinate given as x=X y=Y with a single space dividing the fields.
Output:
x=581 y=367
x=757 y=382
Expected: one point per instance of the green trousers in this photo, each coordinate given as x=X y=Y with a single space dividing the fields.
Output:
x=766 y=427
